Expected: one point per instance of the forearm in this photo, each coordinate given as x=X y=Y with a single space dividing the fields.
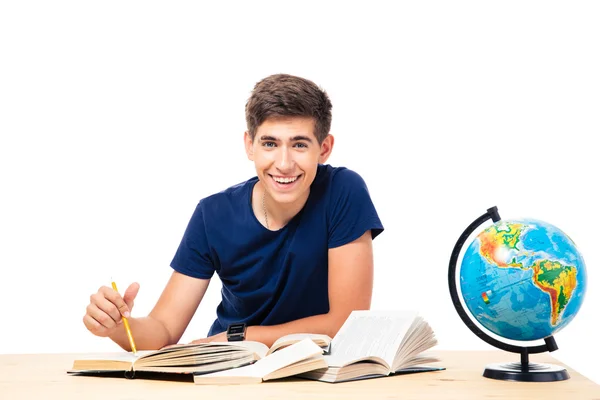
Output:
x=327 y=324
x=148 y=334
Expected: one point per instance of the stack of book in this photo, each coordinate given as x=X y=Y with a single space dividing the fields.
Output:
x=369 y=344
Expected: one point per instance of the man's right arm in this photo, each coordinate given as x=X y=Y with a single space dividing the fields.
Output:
x=163 y=326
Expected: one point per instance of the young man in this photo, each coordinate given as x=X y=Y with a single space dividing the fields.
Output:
x=292 y=246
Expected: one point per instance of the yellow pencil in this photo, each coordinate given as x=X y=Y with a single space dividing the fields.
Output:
x=126 y=323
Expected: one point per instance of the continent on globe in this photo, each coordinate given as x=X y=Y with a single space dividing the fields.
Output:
x=496 y=243
x=558 y=281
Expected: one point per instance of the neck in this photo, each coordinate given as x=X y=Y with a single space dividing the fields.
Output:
x=278 y=215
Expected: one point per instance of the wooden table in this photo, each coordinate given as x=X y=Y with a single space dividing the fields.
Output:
x=43 y=377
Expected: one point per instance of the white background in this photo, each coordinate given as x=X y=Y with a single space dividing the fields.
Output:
x=117 y=117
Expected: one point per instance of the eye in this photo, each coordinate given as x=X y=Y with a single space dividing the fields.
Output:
x=268 y=144
x=301 y=145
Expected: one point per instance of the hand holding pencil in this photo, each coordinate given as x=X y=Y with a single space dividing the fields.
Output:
x=107 y=312
x=126 y=323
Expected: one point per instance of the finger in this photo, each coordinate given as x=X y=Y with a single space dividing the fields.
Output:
x=101 y=317
x=114 y=297
x=94 y=326
x=130 y=294
x=107 y=306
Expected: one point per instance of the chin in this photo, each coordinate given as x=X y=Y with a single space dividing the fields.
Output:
x=286 y=198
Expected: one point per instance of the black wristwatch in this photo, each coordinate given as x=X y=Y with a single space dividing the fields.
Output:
x=236 y=332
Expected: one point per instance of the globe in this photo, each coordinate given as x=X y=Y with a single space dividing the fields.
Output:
x=523 y=280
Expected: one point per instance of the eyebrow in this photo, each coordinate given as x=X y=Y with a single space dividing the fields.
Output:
x=267 y=138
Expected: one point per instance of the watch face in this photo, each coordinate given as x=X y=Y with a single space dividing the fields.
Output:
x=236 y=332
x=237 y=329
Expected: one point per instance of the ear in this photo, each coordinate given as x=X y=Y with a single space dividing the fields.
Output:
x=248 y=142
x=326 y=148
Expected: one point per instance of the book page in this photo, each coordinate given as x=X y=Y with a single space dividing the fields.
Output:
x=258 y=348
x=309 y=364
x=320 y=340
x=190 y=356
x=370 y=334
x=419 y=339
x=106 y=361
x=271 y=363
x=245 y=371
x=304 y=349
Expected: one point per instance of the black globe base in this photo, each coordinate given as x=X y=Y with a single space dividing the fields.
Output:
x=531 y=372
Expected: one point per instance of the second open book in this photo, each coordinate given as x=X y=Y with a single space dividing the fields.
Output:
x=378 y=343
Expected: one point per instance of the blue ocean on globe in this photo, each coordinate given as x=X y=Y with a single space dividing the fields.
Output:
x=523 y=280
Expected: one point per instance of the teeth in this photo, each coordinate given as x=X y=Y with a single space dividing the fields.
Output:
x=285 y=180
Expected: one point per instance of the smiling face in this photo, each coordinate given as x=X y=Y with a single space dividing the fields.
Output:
x=286 y=154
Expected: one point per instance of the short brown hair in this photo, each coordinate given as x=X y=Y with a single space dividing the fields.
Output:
x=283 y=95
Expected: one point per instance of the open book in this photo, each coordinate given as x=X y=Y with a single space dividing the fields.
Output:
x=194 y=358
x=378 y=343
x=295 y=359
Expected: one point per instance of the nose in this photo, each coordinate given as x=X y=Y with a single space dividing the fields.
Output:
x=285 y=160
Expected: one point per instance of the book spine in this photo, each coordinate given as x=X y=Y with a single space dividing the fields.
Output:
x=130 y=374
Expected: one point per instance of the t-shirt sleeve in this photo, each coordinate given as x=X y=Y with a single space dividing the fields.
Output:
x=193 y=255
x=351 y=210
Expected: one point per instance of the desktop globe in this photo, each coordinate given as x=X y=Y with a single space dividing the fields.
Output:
x=521 y=280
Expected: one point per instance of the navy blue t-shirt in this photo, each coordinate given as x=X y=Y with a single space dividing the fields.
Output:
x=273 y=277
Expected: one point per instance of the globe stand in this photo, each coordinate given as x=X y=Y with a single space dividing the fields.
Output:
x=526 y=371
x=523 y=371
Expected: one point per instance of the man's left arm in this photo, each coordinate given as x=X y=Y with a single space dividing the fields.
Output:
x=350 y=288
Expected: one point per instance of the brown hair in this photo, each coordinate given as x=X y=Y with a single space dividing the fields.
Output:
x=284 y=95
